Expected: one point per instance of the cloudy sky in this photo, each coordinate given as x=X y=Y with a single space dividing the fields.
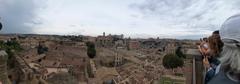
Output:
x=190 y=19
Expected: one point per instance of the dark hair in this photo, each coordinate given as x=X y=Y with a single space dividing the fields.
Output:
x=205 y=39
x=215 y=44
x=216 y=32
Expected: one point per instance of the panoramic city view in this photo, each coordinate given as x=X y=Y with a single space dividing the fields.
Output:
x=119 y=42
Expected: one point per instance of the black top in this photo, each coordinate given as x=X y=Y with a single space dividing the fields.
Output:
x=214 y=62
x=221 y=78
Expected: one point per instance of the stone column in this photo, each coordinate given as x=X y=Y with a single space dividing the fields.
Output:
x=3 y=68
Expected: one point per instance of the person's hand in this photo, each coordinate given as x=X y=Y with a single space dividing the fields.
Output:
x=200 y=49
x=206 y=62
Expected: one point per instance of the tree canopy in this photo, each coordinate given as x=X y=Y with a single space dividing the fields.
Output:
x=171 y=61
x=179 y=53
x=41 y=49
x=11 y=47
x=91 y=51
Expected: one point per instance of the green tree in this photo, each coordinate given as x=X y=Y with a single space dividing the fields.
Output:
x=11 y=47
x=91 y=51
x=171 y=61
x=14 y=45
x=179 y=53
x=42 y=49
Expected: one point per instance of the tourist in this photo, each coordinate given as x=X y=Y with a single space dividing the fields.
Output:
x=211 y=61
x=204 y=49
x=230 y=56
x=210 y=49
x=204 y=46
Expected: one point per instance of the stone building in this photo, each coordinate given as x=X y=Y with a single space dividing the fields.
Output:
x=118 y=60
x=104 y=41
x=108 y=41
x=3 y=68
x=24 y=69
x=120 y=44
x=170 y=48
x=133 y=45
x=92 y=69
x=28 y=43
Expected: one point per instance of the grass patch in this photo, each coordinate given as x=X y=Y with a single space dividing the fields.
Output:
x=166 y=80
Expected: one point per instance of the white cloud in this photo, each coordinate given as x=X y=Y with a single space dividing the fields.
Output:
x=136 y=18
x=18 y=15
x=188 y=17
